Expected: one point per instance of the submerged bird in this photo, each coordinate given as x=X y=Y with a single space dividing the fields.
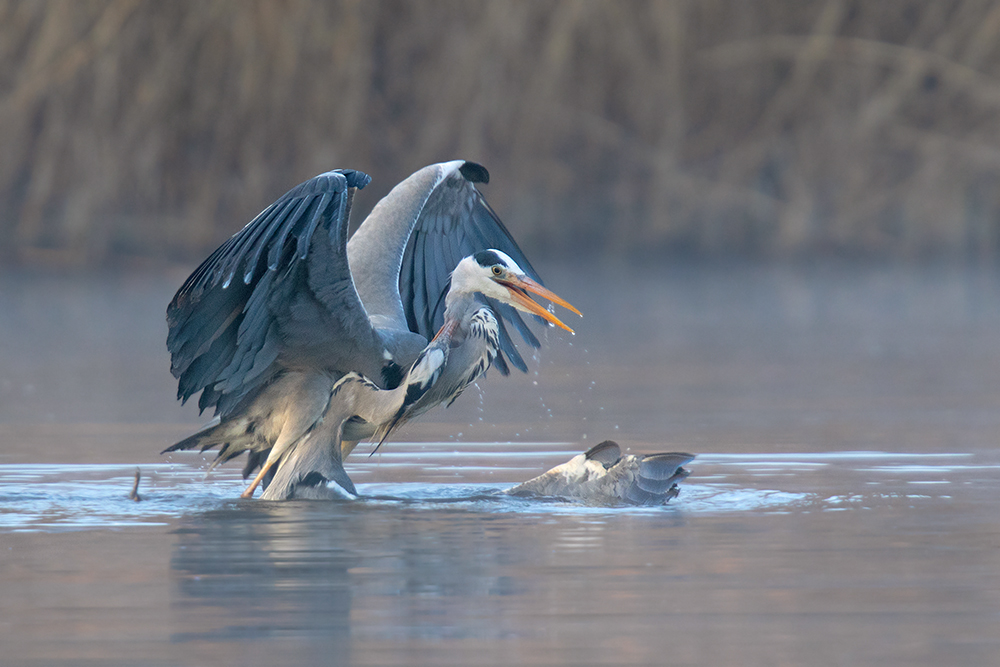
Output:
x=603 y=475
x=280 y=313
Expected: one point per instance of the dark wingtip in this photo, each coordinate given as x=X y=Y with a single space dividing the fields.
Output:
x=474 y=173
x=500 y=364
x=392 y=375
x=355 y=178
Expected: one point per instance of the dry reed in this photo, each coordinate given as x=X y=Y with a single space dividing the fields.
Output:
x=771 y=127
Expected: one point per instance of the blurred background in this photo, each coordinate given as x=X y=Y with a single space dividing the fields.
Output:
x=780 y=217
x=774 y=128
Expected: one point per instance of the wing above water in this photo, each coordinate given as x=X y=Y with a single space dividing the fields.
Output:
x=430 y=222
x=277 y=292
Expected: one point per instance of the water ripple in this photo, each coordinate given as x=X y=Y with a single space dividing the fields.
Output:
x=80 y=497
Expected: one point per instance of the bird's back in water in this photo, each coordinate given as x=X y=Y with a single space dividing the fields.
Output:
x=602 y=475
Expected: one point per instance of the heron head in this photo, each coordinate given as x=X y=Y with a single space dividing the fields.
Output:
x=496 y=275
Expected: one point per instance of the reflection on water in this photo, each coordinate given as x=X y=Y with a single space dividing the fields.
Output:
x=842 y=509
x=829 y=547
x=53 y=497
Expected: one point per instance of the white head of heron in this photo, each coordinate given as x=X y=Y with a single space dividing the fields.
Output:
x=494 y=274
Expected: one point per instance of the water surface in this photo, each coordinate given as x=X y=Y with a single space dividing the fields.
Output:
x=842 y=509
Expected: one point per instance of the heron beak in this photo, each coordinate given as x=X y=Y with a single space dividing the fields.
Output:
x=518 y=286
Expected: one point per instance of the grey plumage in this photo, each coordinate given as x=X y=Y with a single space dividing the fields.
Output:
x=602 y=475
x=286 y=408
x=440 y=242
x=465 y=352
x=268 y=324
x=316 y=459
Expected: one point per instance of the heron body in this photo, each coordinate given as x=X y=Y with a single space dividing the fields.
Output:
x=310 y=463
x=603 y=475
x=358 y=408
x=467 y=343
x=288 y=326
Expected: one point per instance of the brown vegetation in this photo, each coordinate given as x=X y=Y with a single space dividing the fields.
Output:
x=770 y=127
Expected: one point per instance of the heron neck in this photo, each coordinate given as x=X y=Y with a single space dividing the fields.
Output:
x=457 y=304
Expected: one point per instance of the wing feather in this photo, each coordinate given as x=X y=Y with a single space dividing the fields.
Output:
x=278 y=248
x=507 y=346
x=421 y=303
x=210 y=364
x=455 y=222
x=295 y=301
x=237 y=254
x=314 y=217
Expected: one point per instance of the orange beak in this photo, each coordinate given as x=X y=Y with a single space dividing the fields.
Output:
x=518 y=286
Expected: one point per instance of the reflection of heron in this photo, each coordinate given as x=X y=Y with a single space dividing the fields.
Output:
x=602 y=474
x=269 y=323
x=291 y=588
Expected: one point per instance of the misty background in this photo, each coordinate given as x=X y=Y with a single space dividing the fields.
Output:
x=775 y=215
x=134 y=129
x=779 y=218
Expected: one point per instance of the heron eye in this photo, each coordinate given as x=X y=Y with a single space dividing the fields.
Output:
x=497 y=270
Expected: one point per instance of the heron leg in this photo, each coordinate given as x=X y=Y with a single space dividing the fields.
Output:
x=308 y=402
x=257 y=480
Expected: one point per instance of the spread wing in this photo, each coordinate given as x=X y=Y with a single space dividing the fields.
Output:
x=278 y=292
x=454 y=223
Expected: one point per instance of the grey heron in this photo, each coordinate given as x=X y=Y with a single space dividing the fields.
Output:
x=603 y=475
x=286 y=308
x=463 y=350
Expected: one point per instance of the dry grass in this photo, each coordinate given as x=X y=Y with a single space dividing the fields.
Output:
x=770 y=127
